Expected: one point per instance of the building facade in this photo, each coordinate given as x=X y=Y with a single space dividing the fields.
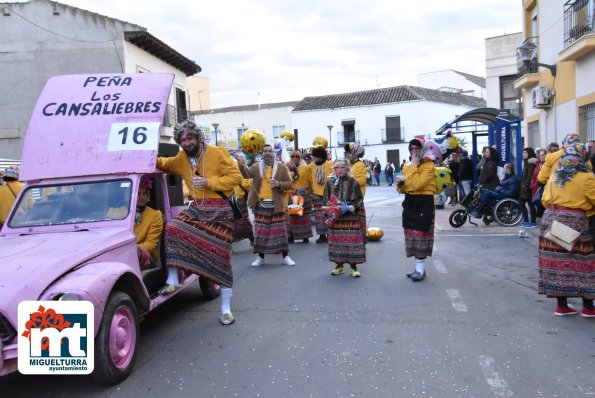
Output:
x=226 y=125
x=42 y=38
x=384 y=120
x=556 y=66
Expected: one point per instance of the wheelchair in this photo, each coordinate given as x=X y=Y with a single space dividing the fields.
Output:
x=505 y=212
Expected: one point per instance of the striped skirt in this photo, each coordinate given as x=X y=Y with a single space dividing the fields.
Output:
x=419 y=243
x=199 y=240
x=270 y=231
x=363 y=221
x=317 y=203
x=300 y=227
x=243 y=226
x=346 y=240
x=563 y=273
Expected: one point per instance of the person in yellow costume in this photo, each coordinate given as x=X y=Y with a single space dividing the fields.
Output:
x=148 y=225
x=320 y=170
x=354 y=153
x=243 y=227
x=198 y=240
x=9 y=191
x=267 y=198
x=418 y=183
x=300 y=227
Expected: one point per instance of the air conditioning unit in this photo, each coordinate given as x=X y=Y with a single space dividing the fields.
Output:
x=542 y=97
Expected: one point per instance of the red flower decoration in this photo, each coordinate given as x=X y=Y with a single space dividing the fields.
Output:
x=43 y=319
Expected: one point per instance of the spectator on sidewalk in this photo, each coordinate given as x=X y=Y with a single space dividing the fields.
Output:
x=388 y=173
x=465 y=175
x=525 y=194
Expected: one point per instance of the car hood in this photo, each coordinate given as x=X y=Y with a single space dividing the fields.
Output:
x=30 y=263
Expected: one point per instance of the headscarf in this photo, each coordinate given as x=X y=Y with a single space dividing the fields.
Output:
x=572 y=160
x=10 y=172
x=146 y=182
x=354 y=152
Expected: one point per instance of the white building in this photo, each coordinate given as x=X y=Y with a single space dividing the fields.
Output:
x=453 y=81
x=384 y=120
x=556 y=69
x=231 y=122
x=43 y=38
x=501 y=72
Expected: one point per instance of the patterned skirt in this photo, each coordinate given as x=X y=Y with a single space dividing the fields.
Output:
x=317 y=203
x=243 y=226
x=419 y=243
x=270 y=231
x=563 y=273
x=199 y=240
x=363 y=221
x=346 y=241
x=301 y=226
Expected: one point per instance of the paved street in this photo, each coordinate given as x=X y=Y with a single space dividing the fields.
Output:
x=474 y=328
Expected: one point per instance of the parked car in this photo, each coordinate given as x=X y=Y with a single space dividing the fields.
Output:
x=61 y=242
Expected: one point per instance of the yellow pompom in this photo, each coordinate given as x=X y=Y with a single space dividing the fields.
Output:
x=287 y=134
x=252 y=141
x=374 y=234
x=320 y=142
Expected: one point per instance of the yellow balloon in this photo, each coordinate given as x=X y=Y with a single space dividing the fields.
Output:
x=320 y=142
x=287 y=134
x=252 y=141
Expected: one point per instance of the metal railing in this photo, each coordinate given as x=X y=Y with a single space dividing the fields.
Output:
x=393 y=134
x=578 y=20
x=174 y=115
x=344 y=137
x=531 y=67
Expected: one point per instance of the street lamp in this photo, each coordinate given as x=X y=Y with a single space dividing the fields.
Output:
x=527 y=53
x=215 y=126
x=330 y=138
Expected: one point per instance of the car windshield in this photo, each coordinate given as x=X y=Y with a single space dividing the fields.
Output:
x=73 y=203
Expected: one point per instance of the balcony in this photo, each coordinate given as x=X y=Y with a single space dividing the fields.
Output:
x=345 y=137
x=393 y=135
x=579 y=36
x=174 y=115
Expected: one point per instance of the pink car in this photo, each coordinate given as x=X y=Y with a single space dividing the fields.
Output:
x=90 y=140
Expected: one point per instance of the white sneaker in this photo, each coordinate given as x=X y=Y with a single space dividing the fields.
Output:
x=288 y=261
x=258 y=262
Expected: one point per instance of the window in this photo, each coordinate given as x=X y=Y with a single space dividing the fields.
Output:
x=393 y=129
x=586 y=122
x=348 y=133
x=392 y=155
x=510 y=98
x=533 y=134
x=240 y=131
x=277 y=130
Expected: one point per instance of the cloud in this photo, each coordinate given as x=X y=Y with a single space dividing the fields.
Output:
x=290 y=49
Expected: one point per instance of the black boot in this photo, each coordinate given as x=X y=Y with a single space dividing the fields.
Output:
x=321 y=239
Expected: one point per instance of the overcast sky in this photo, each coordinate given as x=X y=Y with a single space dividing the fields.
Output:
x=289 y=49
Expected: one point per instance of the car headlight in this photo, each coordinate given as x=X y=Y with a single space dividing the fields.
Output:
x=68 y=297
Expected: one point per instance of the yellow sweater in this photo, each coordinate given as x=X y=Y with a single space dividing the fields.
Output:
x=219 y=169
x=578 y=193
x=149 y=231
x=419 y=180
x=266 y=191
x=359 y=171
x=303 y=180
x=318 y=189
x=550 y=165
x=7 y=198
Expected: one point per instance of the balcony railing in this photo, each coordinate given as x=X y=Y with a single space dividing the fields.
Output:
x=578 y=20
x=531 y=67
x=174 y=115
x=393 y=134
x=344 y=137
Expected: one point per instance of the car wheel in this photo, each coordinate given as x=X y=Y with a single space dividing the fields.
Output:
x=457 y=218
x=210 y=290
x=116 y=341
